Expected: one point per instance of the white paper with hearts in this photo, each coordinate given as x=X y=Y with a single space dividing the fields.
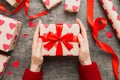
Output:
x=9 y=30
x=67 y=28
x=51 y=3
x=112 y=15
x=3 y=63
x=14 y=3
x=72 y=5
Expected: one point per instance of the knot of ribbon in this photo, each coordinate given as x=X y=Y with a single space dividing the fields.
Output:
x=25 y=4
x=97 y=25
x=52 y=39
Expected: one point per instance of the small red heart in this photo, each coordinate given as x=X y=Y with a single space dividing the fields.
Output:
x=15 y=64
x=47 y=2
x=75 y=8
x=9 y=36
x=118 y=18
x=109 y=34
x=25 y=35
x=12 y=25
x=69 y=25
x=2 y=22
x=46 y=25
x=9 y=73
x=6 y=46
x=65 y=6
x=113 y=8
x=70 y=55
x=32 y=24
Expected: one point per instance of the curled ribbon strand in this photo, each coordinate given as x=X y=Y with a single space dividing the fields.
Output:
x=96 y=26
x=52 y=38
x=25 y=4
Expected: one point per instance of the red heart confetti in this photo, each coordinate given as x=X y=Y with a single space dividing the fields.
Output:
x=32 y=24
x=109 y=34
x=9 y=73
x=15 y=64
x=25 y=35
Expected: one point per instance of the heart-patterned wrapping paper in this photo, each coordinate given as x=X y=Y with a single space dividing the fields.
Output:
x=51 y=3
x=112 y=14
x=72 y=6
x=3 y=63
x=9 y=31
x=14 y=3
x=67 y=28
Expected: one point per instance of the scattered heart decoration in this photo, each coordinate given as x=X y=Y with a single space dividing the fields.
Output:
x=9 y=36
x=15 y=64
x=12 y=25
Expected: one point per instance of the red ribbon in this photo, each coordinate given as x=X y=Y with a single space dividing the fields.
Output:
x=25 y=3
x=52 y=39
x=96 y=26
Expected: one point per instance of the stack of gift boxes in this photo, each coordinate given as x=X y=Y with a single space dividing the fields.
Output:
x=9 y=31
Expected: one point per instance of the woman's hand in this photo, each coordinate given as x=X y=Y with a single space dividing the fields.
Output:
x=84 y=53
x=37 y=57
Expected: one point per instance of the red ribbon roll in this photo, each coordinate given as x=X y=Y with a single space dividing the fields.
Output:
x=52 y=38
x=24 y=3
x=96 y=26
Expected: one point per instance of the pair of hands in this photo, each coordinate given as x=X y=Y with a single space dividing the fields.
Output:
x=37 y=57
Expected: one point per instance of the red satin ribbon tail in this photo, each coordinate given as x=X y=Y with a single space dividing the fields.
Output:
x=59 y=50
x=98 y=25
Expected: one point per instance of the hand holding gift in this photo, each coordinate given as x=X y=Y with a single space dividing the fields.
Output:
x=84 y=53
x=37 y=57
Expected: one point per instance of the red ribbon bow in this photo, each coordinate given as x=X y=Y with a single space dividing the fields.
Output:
x=96 y=26
x=52 y=39
x=24 y=3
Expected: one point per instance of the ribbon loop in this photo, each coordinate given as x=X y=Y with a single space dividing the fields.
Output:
x=99 y=24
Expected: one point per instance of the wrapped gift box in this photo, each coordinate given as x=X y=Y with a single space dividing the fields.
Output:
x=51 y=3
x=14 y=3
x=60 y=39
x=72 y=6
x=9 y=30
x=113 y=15
x=3 y=63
